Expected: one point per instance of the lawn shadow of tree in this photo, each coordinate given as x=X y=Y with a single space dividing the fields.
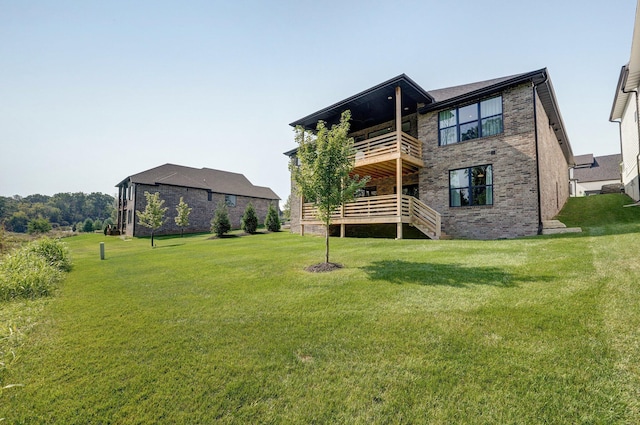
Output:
x=455 y=275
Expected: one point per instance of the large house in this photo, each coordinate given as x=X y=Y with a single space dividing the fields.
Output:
x=484 y=160
x=201 y=188
x=592 y=175
x=625 y=112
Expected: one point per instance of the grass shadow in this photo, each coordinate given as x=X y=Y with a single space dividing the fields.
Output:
x=455 y=275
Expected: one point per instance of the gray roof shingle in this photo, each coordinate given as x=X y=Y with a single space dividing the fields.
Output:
x=602 y=168
x=202 y=178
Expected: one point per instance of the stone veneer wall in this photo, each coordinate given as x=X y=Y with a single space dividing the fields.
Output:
x=512 y=154
x=202 y=209
x=554 y=169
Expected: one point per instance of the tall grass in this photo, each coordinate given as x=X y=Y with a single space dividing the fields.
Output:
x=34 y=270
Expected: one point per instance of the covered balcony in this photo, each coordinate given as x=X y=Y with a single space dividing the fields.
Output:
x=393 y=156
x=378 y=156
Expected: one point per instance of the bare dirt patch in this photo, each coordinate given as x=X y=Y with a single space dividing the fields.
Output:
x=323 y=267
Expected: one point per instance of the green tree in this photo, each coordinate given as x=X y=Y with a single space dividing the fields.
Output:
x=18 y=222
x=249 y=219
x=272 y=221
x=182 y=215
x=38 y=225
x=153 y=214
x=323 y=175
x=87 y=226
x=220 y=223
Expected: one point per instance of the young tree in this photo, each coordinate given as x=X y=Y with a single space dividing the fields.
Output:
x=323 y=175
x=220 y=223
x=272 y=221
x=249 y=219
x=153 y=214
x=182 y=215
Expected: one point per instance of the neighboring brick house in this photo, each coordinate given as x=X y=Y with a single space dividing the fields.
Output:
x=591 y=173
x=485 y=160
x=201 y=189
x=624 y=111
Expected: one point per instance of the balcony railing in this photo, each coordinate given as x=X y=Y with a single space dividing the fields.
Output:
x=382 y=209
x=384 y=147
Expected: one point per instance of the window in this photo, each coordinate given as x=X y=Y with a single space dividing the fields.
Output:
x=409 y=190
x=480 y=119
x=209 y=196
x=366 y=191
x=230 y=200
x=471 y=186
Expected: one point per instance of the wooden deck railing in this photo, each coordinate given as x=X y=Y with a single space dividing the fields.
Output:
x=377 y=208
x=380 y=146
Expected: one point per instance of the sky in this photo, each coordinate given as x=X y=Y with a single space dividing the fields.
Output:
x=92 y=92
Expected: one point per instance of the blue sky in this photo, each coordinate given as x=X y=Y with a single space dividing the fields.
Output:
x=92 y=92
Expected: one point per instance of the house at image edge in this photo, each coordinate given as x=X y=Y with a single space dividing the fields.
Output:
x=593 y=175
x=625 y=112
x=484 y=160
x=201 y=189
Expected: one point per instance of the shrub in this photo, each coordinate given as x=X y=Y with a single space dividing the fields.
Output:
x=54 y=251
x=272 y=221
x=220 y=223
x=249 y=219
x=38 y=225
x=87 y=226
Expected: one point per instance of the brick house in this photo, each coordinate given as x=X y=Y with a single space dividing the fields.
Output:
x=201 y=189
x=485 y=160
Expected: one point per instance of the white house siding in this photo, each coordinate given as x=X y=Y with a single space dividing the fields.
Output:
x=629 y=134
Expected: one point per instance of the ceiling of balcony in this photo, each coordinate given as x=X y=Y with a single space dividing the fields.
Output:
x=371 y=107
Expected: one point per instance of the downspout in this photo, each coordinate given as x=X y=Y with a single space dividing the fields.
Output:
x=535 y=130
x=637 y=117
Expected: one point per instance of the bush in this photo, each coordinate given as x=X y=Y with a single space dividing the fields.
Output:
x=87 y=226
x=54 y=251
x=220 y=223
x=249 y=219
x=38 y=225
x=272 y=221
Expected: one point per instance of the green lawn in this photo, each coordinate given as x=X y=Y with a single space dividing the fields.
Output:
x=233 y=330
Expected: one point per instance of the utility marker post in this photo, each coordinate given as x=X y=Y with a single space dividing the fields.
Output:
x=102 y=250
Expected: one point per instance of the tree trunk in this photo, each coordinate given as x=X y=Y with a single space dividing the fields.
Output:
x=152 y=239
x=326 y=243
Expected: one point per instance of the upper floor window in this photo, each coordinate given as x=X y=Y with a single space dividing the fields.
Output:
x=471 y=186
x=480 y=119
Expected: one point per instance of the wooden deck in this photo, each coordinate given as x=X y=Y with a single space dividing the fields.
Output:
x=379 y=210
x=376 y=157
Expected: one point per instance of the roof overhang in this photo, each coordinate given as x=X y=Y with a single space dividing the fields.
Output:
x=629 y=79
x=372 y=106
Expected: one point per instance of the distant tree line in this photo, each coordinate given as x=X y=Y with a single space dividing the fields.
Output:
x=73 y=211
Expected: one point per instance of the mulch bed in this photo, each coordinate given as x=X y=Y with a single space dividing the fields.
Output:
x=323 y=267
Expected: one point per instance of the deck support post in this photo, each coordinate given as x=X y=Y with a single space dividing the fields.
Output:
x=399 y=160
x=342 y=230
